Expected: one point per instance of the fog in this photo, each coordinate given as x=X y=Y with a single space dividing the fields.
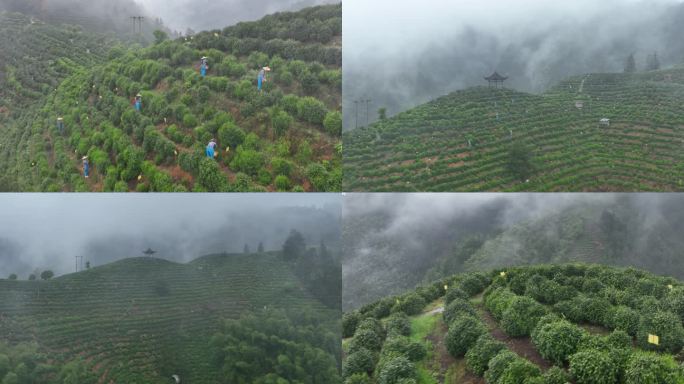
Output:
x=216 y=14
x=47 y=231
x=392 y=242
x=403 y=53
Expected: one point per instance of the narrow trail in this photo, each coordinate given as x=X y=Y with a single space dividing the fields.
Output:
x=582 y=83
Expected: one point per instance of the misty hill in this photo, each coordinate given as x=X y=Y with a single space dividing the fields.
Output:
x=145 y=319
x=552 y=323
x=100 y=16
x=388 y=259
x=502 y=140
x=284 y=138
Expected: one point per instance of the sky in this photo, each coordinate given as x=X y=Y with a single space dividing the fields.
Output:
x=404 y=53
x=217 y=14
x=46 y=231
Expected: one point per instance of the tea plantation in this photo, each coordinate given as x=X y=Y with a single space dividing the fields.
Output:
x=284 y=137
x=487 y=139
x=543 y=324
x=142 y=320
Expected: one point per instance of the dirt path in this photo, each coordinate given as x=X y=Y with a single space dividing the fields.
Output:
x=582 y=83
x=443 y=361
x=521 y=346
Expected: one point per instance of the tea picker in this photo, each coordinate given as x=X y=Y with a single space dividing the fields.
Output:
x=137 y=102
x=204 y=66
x=86 y=166
x=60 y=125
x=261 y=77
x=211 y=149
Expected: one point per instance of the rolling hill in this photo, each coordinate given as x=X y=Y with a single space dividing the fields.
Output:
x=464 y=141
x=145 y=319
x=284 y=138
x=543 y=324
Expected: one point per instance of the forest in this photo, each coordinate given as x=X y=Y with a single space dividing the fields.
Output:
x=284 y=137
x=545 y=324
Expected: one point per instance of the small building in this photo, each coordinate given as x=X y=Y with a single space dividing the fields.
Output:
x=496 y=79
x=605 y=122
x=579 y=104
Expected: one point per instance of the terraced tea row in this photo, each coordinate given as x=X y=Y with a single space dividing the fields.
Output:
x=463 y=141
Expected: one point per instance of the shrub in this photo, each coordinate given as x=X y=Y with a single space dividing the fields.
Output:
x=210 y=176
x=281 y=122
x=398 y=324
x=333 y=123
x=674 y=300
x=281 y=166
x=498 y=301
x=318 y=176
x=311 y=110
x=372 y=324
x=396 y=369
x=593 y=367
x=463 y=333
x=619 y=339
x=484 y=349
x=498 y=365
x=595 y=310
x=648 y=367
x=571 y=309
x=350 y=321
x=231 y=135
x=521 y=316
x=358 y=378
x=361 y=361
x=556 y=375
x=282 y=183
x=666 y=325
x=365 y=338
x=624 y=318
x=556 y=341
x=402 y=345
x=248 y=161
x=457 y=307
x=411 y=304
x=473 y=283
x=518 y=371
x=189 y=120
x=454 y=293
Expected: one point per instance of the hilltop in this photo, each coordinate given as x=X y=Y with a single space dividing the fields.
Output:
x=542 y=324
x=502 y=140
x=286 y=137
x=145 y=319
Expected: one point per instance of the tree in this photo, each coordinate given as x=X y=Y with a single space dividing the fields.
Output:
x=47 y=275
x=260 y=248
x=160 y=36
x=87 y=264
x=246 y=249
x=630 y=64
x=382 y=113
x=32 y=277
x=652 y=63
x=13 y=276
x=520 y=161
x=294 y=246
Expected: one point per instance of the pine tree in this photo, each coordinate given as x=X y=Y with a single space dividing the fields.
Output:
x=630 y=65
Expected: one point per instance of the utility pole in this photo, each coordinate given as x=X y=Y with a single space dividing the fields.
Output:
x=356 y=112
x=79 y=263
x=367 y=101
x=137 y=29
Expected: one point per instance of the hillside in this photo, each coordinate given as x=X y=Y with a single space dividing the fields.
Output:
x=464 y=141
x=543 y=324
x=145 y=319
x=284 y=138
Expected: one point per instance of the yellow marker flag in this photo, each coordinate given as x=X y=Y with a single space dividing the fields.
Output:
x=139 y=177
x=502 y=274
x=228 y=149
x=397 y=301
x=653 y=339
x=446 y=287
x=175 y=152
x=670 y=286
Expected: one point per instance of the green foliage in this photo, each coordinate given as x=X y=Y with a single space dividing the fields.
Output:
x=666 y=325
x=651 y=368
x=498 y=365
x=456 y=308
x=518 y=371
x=210 y=176
x=361 y=361
x=248 y=161
x=402 y=345
x=479 y=355
x=463 y=333
x=556 y=341
x=398 y=324
x=350 y=321
x=311 y=110
x=624 y=318
x=231 y=135
x=47 y=275
x=593 y=367
x=281 y=122
x=521 y=316
x=454 y=293
x=556 y=375
x=520 y=161
x=411 y=304
x=395 y=370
